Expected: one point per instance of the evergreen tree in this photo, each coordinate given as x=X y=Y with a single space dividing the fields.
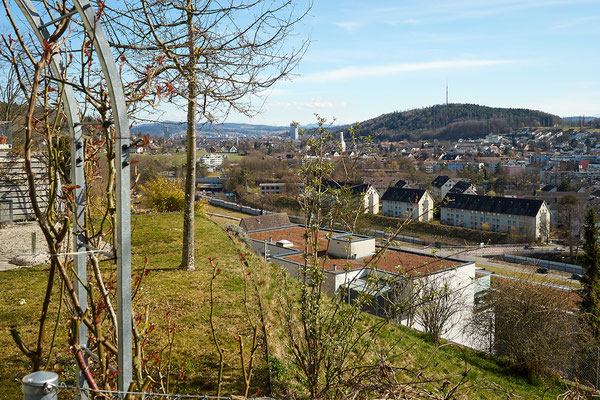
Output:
x=590 y=291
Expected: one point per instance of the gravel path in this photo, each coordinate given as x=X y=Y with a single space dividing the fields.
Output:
x=15 y=240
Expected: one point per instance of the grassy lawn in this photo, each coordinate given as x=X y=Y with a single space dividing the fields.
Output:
x=184 y=296
x=434 y=231
x=531 y=276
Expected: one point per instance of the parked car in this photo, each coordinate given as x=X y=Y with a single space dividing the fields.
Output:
x=528 y=247
x=577 y=277
x=542 y=270
x=558 y=248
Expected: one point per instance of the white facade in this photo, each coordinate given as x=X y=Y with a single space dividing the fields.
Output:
x=459 y=284
x=371 y=200
x=213 y=160
x=441 y=192
x=534 y=227
x=351 y=247
x=421 y=211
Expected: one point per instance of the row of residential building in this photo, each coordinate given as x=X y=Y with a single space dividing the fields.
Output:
x=460 y=206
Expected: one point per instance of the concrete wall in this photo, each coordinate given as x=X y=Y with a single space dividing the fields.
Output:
x=460 y=282
x=351 y=248
x=236 y=207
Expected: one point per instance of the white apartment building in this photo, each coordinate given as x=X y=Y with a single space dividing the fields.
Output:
x=212 y=160
x=442 y=184
x=498 y=214
x=366 y=193
x=414 y=204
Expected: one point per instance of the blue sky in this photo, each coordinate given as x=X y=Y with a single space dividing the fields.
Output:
x=367 y=58
x=373 y=57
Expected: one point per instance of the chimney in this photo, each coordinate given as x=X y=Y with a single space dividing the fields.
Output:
x=334 y=267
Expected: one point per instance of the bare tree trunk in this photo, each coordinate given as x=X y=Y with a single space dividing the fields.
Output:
x=187 y=257
x=187 y=260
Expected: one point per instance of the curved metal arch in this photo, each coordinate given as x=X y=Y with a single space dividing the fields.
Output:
x=123 y=229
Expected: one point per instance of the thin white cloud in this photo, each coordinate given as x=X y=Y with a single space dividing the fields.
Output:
x=348 y=73
x=349 y=26
x=579 y=23
x=314 y=104
x=439 y=11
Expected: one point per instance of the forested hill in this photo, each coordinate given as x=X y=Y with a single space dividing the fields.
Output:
x=453 y=121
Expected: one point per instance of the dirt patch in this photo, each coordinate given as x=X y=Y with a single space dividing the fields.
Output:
x=15 y=243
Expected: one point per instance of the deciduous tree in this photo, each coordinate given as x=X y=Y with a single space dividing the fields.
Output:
x=214 y=57
x=590 y=291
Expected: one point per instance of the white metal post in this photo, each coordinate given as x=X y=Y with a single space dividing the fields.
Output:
x=122 y=163
x=123 y=229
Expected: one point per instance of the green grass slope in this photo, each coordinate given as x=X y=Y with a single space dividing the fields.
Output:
x=184 y=298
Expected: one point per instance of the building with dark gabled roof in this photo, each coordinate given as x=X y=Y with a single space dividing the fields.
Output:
x=442 y=184
x=549 y=188
x=402 y=184
x=463 y=187
x=530 y=218
x=414 y=204
x=265 y=221
x=365 y=191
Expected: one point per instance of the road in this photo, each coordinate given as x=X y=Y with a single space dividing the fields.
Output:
x=473 y=255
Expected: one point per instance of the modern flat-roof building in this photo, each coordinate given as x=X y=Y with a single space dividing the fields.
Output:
x=272 y=188
x=353 y=260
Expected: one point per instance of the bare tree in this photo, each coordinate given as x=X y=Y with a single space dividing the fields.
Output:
x=214 y=56
x=535 y=325
x=45 y=121
x=10 y=95
x=571 y=213
x=438 y=305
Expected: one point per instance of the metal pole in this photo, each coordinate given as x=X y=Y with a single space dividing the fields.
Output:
x=122 y=163
x=77 y=173
x=33 y=242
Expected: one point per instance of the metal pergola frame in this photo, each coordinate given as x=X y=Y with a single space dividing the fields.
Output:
x=87 y=14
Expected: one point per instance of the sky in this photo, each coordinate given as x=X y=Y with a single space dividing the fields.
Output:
x=368 y=58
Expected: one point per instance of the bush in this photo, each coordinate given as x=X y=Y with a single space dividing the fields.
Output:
x=238 y=232
x=163 y=195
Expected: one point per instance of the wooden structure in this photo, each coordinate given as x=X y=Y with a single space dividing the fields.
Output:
x=14 y=194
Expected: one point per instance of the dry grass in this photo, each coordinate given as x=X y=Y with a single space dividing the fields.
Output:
x=185 y=297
